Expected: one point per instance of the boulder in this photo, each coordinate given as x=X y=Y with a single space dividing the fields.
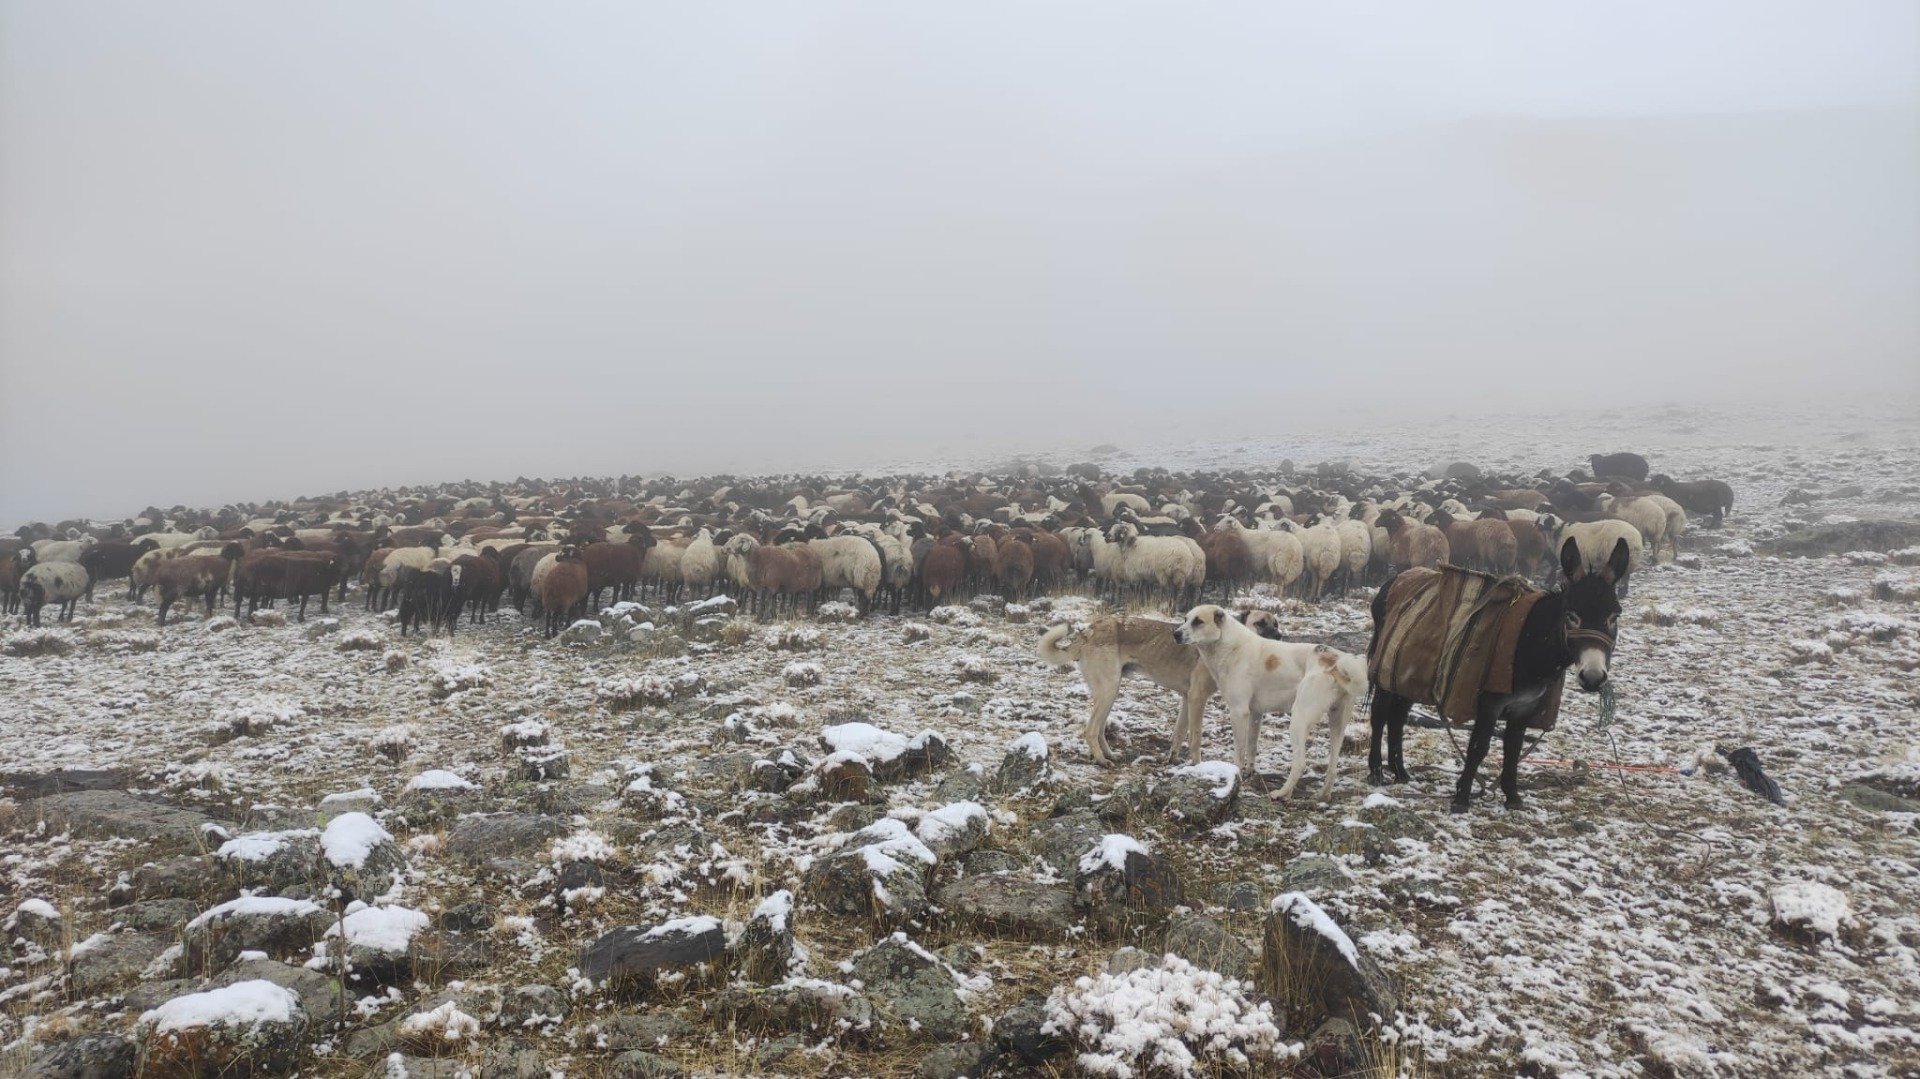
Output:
x=1060 y=841
x=109 y=814
x=90 y=1056
x=766 y=947
x=1025 y=765
x=1021 y=1032
x=1123 y=886
x=632 y=959
x=1839 y=538
x=1207 y=944
x=483 y=838
x=1010 y=906
x=280 y=927
x=247 y=1028
x=100 y=965
x=1310 y=964
x=913 y=989
x=1314 y=874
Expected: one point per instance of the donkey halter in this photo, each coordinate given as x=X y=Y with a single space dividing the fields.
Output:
x=1591 y=637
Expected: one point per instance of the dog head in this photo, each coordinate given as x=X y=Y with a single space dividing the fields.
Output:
x=1202 y=625
x=1265 y=623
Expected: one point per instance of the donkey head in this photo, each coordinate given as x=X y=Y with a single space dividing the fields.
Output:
x=1591 y=610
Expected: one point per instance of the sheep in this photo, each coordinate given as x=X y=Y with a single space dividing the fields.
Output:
x=199 y=574
x=1414 y=544
x=52 y=550
x=1596 y=540
x=59 y=583
x=1277 y=556
x=1228 y=562
x=849 y=561
x=562 y=588
x=524 y=568
x=1052 y=558
x=769 y=572
x=474 y=583
x=1479 y=544
x=616 y=565
x=1707 y=497
x=1173 y=564
x=942 y=572
x=160 y=541
x=383 y=591
x=662 y=567
x=1647 y=517
x=289 y=575
x=1356 y=551
x=699 y=563
x=983 y=562
x=1320 y=552
x=1626 y=466
x=109 y=560
x=12 y=566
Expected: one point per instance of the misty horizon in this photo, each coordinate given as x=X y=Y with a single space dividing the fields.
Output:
x=248 y=254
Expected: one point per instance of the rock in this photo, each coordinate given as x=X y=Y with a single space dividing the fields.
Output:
x=1394 y=820
x=852 y=818
x=777 y=1050
x=1310 y=964
x=1011 y=906
x=1021 y=1031
x=529 y=1007
x=765 y=949
x=1199 y=795
x=1810 y=909
x=1314 y=874
x=157 y=826
x=1132 y=797
x=1025 y=765
x=278 y=927
x=774 y=774
x=36 y=921
x=648 y=1031
x=881 y=872
x=185 y=876
x=513 y=1062
x=1208 y=944
x=1334 y=1050
x=541 y=764
x=1239 y=896
x=1060 y=841
x=165 y=916
x=277 y=863
x=469 y=917
x=320 y=627
x=1364 y=840
x=816 y=1007
x=913 y=989
x=1876 y=801
x=319 y=991
x=116 y=961
x=584 y=631
x=1130 y=959
x=361 y=859
x=90 y=1056
x=1831 y=539
x=953 y=830
x=982 y=862
x=1123 y=886
x=425 y=1067
x=247 y=1028
x=479 y=839
x=639 y=1064
x=892 y=757
x=843 y=778
x=960 y=1060
x=30 y=785
x=960 y=785
x=632 y=958
x=437 y=955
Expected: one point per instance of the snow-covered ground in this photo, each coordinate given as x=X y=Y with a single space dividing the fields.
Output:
x=1622 y=924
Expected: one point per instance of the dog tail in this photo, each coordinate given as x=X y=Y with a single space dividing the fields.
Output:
x=1348 y=670
x=1051 y=649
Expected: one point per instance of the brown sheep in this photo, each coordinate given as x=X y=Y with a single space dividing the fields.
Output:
x=1412 y=543
x=617 y=565
x=564 y=588
x=1480 y=544
x=273 y=574
x=202 y=574
x=1016 y=566
x=1531 y=546
x=12 y=566
x=943 y=572
x=1228 y=560
x=1052 y=558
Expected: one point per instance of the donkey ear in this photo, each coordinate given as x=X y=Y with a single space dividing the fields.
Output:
x=1621 y=560
x=1571 y=563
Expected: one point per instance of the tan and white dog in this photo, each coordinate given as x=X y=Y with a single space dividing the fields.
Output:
x=1109 y=649
x=1257 y=676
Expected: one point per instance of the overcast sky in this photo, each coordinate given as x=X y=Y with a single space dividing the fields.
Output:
x=253 y=250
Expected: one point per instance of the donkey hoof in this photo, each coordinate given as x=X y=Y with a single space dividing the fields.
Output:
x=1513 y=801
x=1459 y=805
x=1400 y=776
x=1376 y=777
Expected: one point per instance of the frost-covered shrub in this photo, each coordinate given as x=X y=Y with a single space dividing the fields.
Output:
x=795 y=637
x=1897 y=588
x=736 y=633
x=624 y=692
x=1905 y=556
x=1865 y=558
x=395 y=742
x=268 y=618
x=972 y=668
x=394 y=661
x=951 y=615
x=1809 y=907
x=916 y=631
x=451 y=678
x=527 y=732
x=801 y=675
x=1173 y=1019
x=836 y=611
x=1018 y=614
x=258 y=714
x=1843 y=596
x=220 y=623
x=361 y=639
x=39 y=642
x=126 y=641
x=1666 y=614
x=1806 y=651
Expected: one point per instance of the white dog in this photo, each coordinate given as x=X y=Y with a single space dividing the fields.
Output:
x=1257 y=676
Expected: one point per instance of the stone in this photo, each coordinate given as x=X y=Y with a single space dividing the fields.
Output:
x=1396 y=821
x=777 y=1050
x=1201 y=799
x=187 y=1050
x=646 y=1031
x=185 y=876
x=959 y=1060
x=1334 y=1050
x=632 y=958
x=165 y=916
x=513 y=1062
x=157 y=826
x=1206 y=943
x=953 y=830
x=116 y=961
x=1060 y=841
x=1009 y=905
x=1021 y=1032
x=274 y=863
x=528 y=1007
x=1875 y=800
x=481 y=838
x=1130 y=959
x=90 y=1056
x=844 y=779
x=1314 y=874
x=286 y=928
x=1138 y=892
x=913 y=989
x=1830 y=539
x=960 y=785
x=319 y=991
x=766 y=948
x=639 y=1064
x=1024 y=767
x=982 y=862
x=1310 y=964
x=1370 y=844
x=1238 y=896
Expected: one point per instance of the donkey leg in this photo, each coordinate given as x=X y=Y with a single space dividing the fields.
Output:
x=1388 y=717
x=1510 y=746
x=1477 y=745
x=1396 y=738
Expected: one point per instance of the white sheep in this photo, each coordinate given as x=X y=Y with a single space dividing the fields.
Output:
x=1277 y=556
x=59 y=583
x=1596 y=540
x=1149 y=563
x=700 y=563
x=1646 y=516
x=52 y=550
x=1356 y=550
x=1320 y=552
x=849 y=562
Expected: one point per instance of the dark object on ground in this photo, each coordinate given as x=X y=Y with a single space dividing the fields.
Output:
x=1845 y=536
x=1747 y=764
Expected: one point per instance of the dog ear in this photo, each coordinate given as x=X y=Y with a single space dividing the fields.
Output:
x=1219 y=616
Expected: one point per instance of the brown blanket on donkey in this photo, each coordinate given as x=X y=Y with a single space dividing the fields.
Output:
x=1449 y=635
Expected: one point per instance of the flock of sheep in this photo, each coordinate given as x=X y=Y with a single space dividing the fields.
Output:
x=788 y=543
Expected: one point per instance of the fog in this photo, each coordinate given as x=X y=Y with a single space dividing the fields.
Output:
x=251 y=251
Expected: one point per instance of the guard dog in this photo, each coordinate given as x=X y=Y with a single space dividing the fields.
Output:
x=1109 y=649
x=1257 y=676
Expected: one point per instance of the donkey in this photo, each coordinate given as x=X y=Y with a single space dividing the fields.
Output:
x=1573 y=627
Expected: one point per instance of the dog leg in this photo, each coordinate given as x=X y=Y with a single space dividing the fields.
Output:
x=1302 y=718
x=1096 y=732
x=1337 y=733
